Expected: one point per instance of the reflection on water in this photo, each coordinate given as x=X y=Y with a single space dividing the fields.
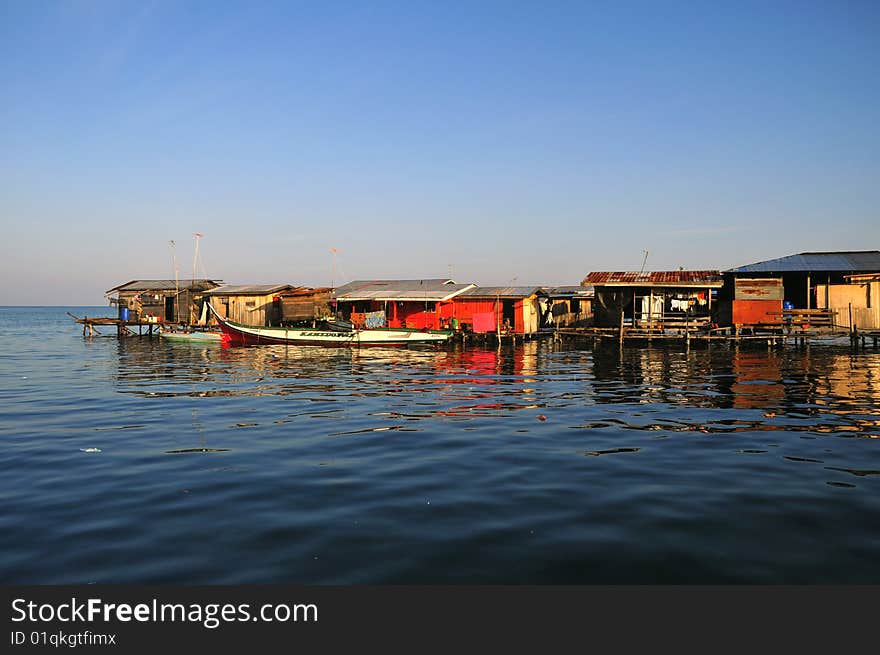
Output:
x=538 y=463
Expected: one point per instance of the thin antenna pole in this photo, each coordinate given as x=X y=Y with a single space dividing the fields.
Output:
x=333 y=271
x=644 y=261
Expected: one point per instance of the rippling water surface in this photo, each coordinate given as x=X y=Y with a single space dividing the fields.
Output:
x=535 y=464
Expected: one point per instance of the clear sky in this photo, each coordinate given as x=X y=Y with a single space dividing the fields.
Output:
x=505 y=142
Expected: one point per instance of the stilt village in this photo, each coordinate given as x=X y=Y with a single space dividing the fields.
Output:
x=793 y=299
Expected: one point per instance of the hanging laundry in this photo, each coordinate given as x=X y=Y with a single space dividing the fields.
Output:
x=373 y=320
x=657 y=309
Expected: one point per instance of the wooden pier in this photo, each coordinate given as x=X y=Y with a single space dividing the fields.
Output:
x=717 y=335
x=859 y=338
x=123 y=328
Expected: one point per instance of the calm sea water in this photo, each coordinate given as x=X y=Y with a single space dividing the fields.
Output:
x=535 y=464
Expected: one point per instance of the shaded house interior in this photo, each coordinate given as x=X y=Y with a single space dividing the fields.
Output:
x=166 y=301
x=657 y=299
x=566 y=306
x=420 y=304
x=832 y=281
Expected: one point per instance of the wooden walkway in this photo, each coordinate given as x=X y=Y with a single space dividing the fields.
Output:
x=123 y=328
x=798 y=335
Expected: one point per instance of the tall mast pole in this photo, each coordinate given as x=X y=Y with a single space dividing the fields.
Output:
x=197 y=235
x=176 y=281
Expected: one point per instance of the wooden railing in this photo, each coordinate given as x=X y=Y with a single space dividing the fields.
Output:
x=805 y=318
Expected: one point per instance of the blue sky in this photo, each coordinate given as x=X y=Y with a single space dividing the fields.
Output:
x=504 y=142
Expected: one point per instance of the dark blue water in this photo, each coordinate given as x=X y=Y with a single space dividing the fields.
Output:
x=538 y=464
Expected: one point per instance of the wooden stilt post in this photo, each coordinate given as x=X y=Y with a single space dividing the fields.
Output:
x=828 y=297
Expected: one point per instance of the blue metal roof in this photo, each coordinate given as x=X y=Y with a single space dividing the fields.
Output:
x=805 y=262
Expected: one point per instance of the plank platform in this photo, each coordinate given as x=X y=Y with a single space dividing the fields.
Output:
x=722 y=335
x=122 y=327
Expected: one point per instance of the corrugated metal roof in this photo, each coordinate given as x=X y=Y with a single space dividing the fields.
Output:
x=806 y=262
x=427 y=290
x=248 y=289
x=165 y=285
x=862 y=277
x=306 y=291
x=655 y=278
x=570 y=291
x=502 y=292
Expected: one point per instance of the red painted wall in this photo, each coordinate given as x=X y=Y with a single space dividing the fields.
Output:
x=413 y=315
x=751 y=312
x=466 y=308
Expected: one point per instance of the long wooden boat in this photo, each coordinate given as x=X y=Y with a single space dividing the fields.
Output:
x=193 y=337
x=331 y=334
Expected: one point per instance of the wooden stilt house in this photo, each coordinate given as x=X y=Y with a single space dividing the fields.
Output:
x=658 y=300
x=813 y=289
x=417 y=304
x=160 y=301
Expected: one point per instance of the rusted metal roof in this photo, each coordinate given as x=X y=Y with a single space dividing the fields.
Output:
x=849 y=261
x=306 y=291
x=655 y=279
x=569 y=291
x=248 y=289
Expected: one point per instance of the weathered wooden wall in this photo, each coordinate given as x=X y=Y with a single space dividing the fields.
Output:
x=564 y=313
x=304 y=307
x=247 y=310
